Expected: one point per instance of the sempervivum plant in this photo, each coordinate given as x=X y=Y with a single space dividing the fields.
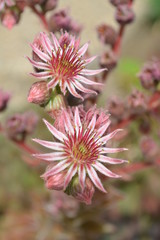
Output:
x=61 y=62
x=80 y=149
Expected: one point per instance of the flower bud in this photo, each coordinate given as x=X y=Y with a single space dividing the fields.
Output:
x=9 y=18
x=119 y=2
x=83 y=195
x=49 y=5
x=124 y=14
x=4 y=98
x=108 y=60
x=137 y=102
x=55 y=182
x=55 y=105
x=107 y=34
x=39 y=93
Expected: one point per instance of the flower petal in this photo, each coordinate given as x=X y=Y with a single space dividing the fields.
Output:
x=80 y=87
x=82 y=176
x=55 y=41
x=102 y=129
x=40 y=54
x=56 y=169
x=95 y=179
x=54 y=156
x=39 y=65
x=57 y=134
x=89 y=60
x=67 y=123
x=110 y=136
x=42 y=75
x=92 y=72
x=102 y=169
x=50 y=145
x=46 y=43
x=72 y=90
x=71 y=172
x=83 y=49
x=87 y=81
x=112 y=150
x=110 y=160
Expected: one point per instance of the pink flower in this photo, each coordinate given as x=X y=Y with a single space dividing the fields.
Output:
x=8 y=3
x=63 y=64
x=81 y=150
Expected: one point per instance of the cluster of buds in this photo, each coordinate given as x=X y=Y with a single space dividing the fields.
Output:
x=150 y=74
x=109 y=36
x=62 y=20
x=19 y=125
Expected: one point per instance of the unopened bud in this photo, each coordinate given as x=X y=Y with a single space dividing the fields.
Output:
x=39 y=93
x=49 y=5
x=55 y=182
x=83 y=195
x=9 y=18
x=124 y=14
x=107 y=34
x=55 y=105
x=119 y=2
x=4 y=98
x=108 y=60
x=137 y=102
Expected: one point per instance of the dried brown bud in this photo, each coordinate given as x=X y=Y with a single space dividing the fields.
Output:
x=119 y=2
x=39 y=93
x=107 y=34
x=4 y=98
x=124 y=14
x=49 y=5
x=108 y=60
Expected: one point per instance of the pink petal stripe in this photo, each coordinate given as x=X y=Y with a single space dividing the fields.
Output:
x=67 y=123
x=55 y=41
x=77 y=119
x=83 y=49
x=83 y=89
x=72 y=90
x=110 y=160
x=87 y=81
x=102 y=129
x=54 y=156
x=112 y=150
x=110 y=136
x=52 y=83
x=89 y=60
x=39 y=65
x=56 y=169
x=41 y=54
x=95 y=179
x=82 y=176
x=42 y=75
x=50 y=145
x=71 y=172
x=92 y=72
x=92 y=122
x=46 y=43
x=104 y=170
x=57 y=134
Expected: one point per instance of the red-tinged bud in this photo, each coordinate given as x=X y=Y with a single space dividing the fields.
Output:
x=149 y=148
x=108 y=60
x=39 y=93
x=9 y=18
x=119 y=2
x=107 y=34
x=55 y=182
x=116 y=108
x=4 y=98
x=49 y=5
x=83 y=195
x=124 y=14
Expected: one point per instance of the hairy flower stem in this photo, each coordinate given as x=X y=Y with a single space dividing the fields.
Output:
x=41 y=17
